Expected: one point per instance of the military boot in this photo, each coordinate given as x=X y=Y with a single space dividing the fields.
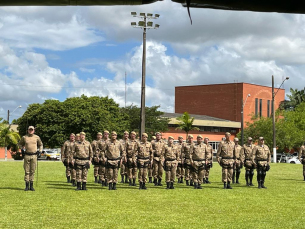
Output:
x=228 y=185
x=187 y=182
x=27 y=186
x=172 y=185
x=32 y=186
x=140 y=186
x=237 y=177
x=130 y=183
x=251 y=178
x=113 y=186
x=203 y=181
x=259 y=184
x=73 y=182
x=207 y=181
x=68 y=179
x=99 y=180
x=143 y=186
x=78 y=188
x=224 y=185
x=84 y=186
x=181 y=181
x=150 y=180
x=159 y=182
x=122 y=178
x=126 y=179
x=191 y=183
x=195 y=185
x=233 y=178
x=110 y=186
x=134 y=182
x=247 y=178
x=263 y=181
x=95 y=180
x=155 y=181
x=167 y=185
x=106 y=182
x=199 y=186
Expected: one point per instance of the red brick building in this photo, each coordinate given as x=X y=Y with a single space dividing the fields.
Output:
x=224 y=101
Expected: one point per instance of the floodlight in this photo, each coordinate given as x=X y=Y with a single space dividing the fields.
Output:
x=157 y=15
x=149 y=15
x=287 y=78
x=133 y=24
x=134 y=14
x=157 y=26
x=142 y=14
x=150 y=23
x=141 y=23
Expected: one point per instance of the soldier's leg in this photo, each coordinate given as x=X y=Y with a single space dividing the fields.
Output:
x=224 y=176
x=201 y=173
x=251 y=177
x=187 y=175
x=207 y=174
x=145 y=172
x=167 y=175
x=194 y=175
x=233 y=174
x=263 y=179
x=134 y=175
x=84 y=178
x=237 y=174
x=247 y=176
x=160 y=173
x=73 y=176
x=122 y=172
x=26 y=166
x=178 y=172
x=33 y=164
x=155 y=172
x=96 y=171
x=150 y=174
x=229 y=176
x=140 y=176
x=78 y=177
x=68 y=173
x=115 y=177
x=259 y=176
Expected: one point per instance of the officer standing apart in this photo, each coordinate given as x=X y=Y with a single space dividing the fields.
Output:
x=67 y=157
x=262 y=159
x=238 y=165
x=209 y=160
x=95 y=160
x=226 y=158
x=171 y=154
x=185 y=151
x=157 y=147
x=29 y=143
x=123 y=168
x=247 y=157
x=114 y=152
x=302 y=158
x=144 y=159
x=82 y=156
x=131 y=159
x=180 y=166
x=198 y=162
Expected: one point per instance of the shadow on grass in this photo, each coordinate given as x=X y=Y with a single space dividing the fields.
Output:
x=62 y=188
x=10 y=188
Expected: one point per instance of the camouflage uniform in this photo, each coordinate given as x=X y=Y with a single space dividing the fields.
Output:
x=114 y=151
x=144 y=158
x=123 y=167
x=157 y=147
x=67 y=159
x=180 y=166
x=198 y=162
x=238 y=165
x=302 y=158
x=209 y=164
x=226 y=158
x=171 y=154
x=131 y=161
x=185 y=151
x=246 y=155
x=100 y=155
x=82 y=155
x=261 y=158
x=30 y=142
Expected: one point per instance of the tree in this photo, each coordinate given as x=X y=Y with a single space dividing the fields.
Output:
x=154 y=122
x=296 y=98
x=186 y=123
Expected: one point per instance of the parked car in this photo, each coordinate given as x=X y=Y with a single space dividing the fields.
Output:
x=294 y=160
x=49 y=155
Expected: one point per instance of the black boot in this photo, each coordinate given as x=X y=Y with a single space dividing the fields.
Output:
x=32 y=186
x=237 y=177
x=113 y=186
x=84 y=186
x=103 y=183
x=195 y=185
x=73 y=182
x=259 y=184
x=150 y=180
x=224 y=185
x=172 y=185
x=207 y=181
x=181 y=181
x=95 y=180
x=99 y=180
x=203 y=181
x=187 y=183
x=228 y=185
x=126 y=179
x=167 y=185
x=263 y=181
x=247 y=178
x=251 y=178
x=199 y=186
x=233 y=178
x=122 y=178
x=191 y=183
x=110 y=186
x=68 y=179
x=134 y=182
x=27 y=186
x=159 y=182
x=78 y=188
x=259 y=181
x=155 y=181
x=130 y=183
x=143 y=186
x=106 y=182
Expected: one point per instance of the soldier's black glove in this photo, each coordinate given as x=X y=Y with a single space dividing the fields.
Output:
x=22 y=152
x=87 y=165
x=268 y=167
x=38 y=154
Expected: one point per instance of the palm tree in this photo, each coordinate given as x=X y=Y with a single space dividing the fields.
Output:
x=186 y=123
x=9 y=138
x=296 y=98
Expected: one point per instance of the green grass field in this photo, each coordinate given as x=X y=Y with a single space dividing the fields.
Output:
x=55 y=204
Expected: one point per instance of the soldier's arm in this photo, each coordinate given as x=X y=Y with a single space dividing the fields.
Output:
x=123 y=151
x=63 y=151
x=269 y=157
x=39 y=144
x=218 y=152
x=90 y=153
x=254 y=155
x=191 y=153
x=73 y=153
x=151 y=153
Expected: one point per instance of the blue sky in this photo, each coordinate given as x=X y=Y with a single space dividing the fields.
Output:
x=61 y=52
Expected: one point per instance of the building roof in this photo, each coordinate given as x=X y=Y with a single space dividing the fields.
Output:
x=203 y=120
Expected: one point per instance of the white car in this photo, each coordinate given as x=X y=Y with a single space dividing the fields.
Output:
x=49 y=155
x=293 y=160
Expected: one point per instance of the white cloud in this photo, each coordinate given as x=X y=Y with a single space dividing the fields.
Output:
x=89 y=70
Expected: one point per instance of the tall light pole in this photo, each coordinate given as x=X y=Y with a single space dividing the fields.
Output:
x=9 y=126
x=273 y=115
x=144 y=25
x=242 y=118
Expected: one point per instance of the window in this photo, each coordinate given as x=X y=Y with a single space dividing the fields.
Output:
x=260 y=107
x=256 y=106
x=268 y=108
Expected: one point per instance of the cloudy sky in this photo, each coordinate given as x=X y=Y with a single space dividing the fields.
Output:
x=61 y=52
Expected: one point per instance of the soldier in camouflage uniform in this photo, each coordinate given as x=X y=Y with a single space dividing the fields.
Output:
x=302 y=158
x=157 y=147
x=150 y=168
x=95 y=160
x=67 y=157
x=185 y=151
x=101 y=150
x=131 y=159
x=261 y=159
x=114 y=152
x=180 y=166
x=123 y=168
x=238 y=165
x=247 y=158
x=144 y=159
x=29 y=144
x=171 y=155
x=82 y=155
x=209 y=160
x=198 y=161
x=226 y=158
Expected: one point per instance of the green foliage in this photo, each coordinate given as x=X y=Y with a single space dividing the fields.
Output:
x=153 y=120
x=297 y=97
x=55 y=120
x=8 y=138
x=186 y=123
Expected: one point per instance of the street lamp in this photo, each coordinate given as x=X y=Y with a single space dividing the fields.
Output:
x=9 y=126
x=242 y=118
x=144 y=25
x=273 y=115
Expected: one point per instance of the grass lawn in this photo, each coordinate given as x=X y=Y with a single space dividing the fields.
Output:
x=55 y=204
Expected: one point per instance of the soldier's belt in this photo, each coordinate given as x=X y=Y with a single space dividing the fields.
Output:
x=199 y=160
x=156 y=155
x=170 y=159
x=82 y=159
x=238 y=158
x=131 y=157
x=227 y=158
x=187 y=158
x=30 y=154
x=261 y=159
x=116 y=159
x=143 y=158
x=248 y=159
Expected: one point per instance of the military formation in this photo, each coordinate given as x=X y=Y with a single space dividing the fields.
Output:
x=188 y=162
